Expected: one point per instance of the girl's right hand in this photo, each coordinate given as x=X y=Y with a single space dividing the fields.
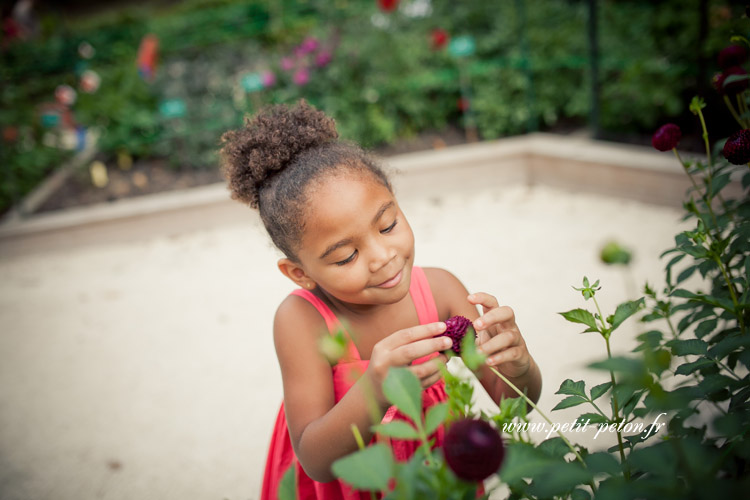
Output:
x=404 y=347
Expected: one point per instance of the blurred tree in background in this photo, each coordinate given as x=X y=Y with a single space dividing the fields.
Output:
x=385 y=70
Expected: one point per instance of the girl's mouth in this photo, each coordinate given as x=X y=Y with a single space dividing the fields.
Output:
x=391 y=282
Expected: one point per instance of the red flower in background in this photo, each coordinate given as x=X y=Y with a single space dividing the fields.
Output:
x=439 y=38
x=387 y=5
x=734 y=87
x=734 y=55
x=667 y=137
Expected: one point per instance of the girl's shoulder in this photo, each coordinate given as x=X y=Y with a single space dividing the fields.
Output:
x=297 y=320
x=447 y=290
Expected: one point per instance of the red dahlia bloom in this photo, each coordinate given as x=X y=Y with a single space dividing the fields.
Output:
x=737 y=147
x=735 y=87
x=439 y=38
x=667 y=137
x=456 y=328
x=734 y=55
x=387 y=5
x=473 y=449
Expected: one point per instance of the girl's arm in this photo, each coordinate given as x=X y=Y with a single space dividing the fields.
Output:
x=498 y=336
x=320 y=428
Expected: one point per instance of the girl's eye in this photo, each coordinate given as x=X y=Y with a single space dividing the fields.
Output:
x=389 y=228
x=347 y=260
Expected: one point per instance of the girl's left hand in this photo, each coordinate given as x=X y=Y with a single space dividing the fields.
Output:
x=499 y=338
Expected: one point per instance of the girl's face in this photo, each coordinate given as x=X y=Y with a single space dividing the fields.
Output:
x=357 y=245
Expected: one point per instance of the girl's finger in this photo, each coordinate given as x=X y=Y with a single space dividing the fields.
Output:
x=497 y=343
x=411 y=335
x=405 y=354
x=485 y=299
x=512 y=354
x=504 y=316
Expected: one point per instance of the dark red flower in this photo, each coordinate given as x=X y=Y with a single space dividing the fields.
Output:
x=456 y=328
x=667 y=137
x=731 y=88
x=473 y=449
x=462 y=104
x=439 y=38
x=734 y=55
x=387 y=5
x=737 y=147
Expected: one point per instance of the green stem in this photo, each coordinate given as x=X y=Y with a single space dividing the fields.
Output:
x=725 y=367
x=674 y=150
x=617 y=412
x=732 y=293
x=705 y=138
x=540 y=412
x=361 y=446
x=545 y=417
x=615 y=405
x=734 y=113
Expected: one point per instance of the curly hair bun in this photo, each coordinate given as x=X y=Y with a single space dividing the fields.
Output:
x=268 y=143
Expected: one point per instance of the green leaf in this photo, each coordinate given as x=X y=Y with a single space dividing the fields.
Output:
x=728 y=345
x=681 y=347
x=573 y=388
x=287 y=486
x=472 y=358
x=569 y=402
x=581 y=316
x=591 y=419
x=620 y=364
x=688 y=368
x=398 y=429
x=706 y=327
x=601 y=462
x=435 y=416
x=626 y=310
x=368 y=469
x=402 y=388
x=554 y=447
x=598 y=390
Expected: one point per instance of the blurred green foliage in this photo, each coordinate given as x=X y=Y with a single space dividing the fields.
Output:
x=385 y=81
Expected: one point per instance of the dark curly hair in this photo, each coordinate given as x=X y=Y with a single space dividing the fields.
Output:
x=270 y=162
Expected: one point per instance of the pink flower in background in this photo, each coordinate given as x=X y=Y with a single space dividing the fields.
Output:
x=268 y=78
x=309 y=44
x=323 y=58
x=301 y=76
x=90 y=81
x=65 y=95
x=287 y=63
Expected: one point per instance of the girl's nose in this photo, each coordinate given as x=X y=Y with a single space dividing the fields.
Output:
x=380 y=255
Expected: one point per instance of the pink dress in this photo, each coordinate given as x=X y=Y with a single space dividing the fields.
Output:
x=345 y=373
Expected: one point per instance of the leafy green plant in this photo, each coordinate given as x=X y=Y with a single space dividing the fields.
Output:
x=674 y=415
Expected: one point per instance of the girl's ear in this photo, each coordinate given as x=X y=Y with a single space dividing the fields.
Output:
x=294 y=272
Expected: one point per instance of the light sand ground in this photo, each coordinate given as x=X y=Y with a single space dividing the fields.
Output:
x=146 y=369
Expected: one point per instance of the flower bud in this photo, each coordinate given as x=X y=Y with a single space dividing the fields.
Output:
x=734 y=55
x=737 y=147
x=473 y=449
x=667 y=137
x=456 y=328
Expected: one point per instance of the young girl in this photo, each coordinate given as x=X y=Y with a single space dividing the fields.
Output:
x=348 y=247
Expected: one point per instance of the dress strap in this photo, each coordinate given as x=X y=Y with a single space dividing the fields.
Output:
x=422 y=297
x=332 y=322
